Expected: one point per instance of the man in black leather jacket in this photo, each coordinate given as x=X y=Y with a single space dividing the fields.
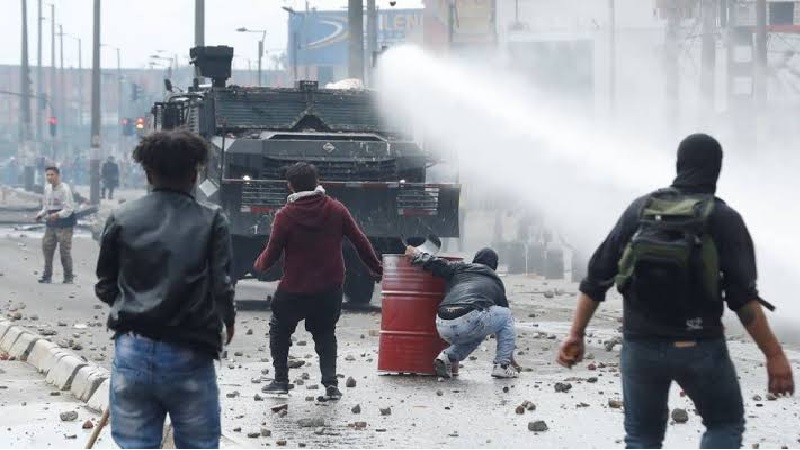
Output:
x=474 y=306
x=164 y=268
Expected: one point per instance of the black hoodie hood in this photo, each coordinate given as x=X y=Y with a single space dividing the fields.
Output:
x=699 y=164
x=487 y=257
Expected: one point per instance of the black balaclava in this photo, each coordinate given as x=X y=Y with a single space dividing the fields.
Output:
x=487 y=257
x=699 y=164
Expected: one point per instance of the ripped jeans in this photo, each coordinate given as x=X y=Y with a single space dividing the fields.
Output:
x=151 y=379
x=466 y=333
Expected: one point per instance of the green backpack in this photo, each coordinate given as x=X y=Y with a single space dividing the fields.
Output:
x=671 y=262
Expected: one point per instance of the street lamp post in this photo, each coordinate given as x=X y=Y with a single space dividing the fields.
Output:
x=260 y=48
x=80 y=77
x=168 y=65
x=62 y=104
x=120 y=104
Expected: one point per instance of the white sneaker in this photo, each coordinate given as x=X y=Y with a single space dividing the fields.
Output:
x=442 y=365
x=504 y=371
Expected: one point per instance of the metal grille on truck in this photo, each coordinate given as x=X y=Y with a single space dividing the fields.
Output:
x=336 y=170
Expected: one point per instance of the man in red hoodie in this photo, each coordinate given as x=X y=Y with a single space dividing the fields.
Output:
x=308 y=231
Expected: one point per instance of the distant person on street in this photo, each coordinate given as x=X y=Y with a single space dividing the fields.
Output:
x=58 y=215
x=165 y=270
x=308 y=232
x=678 y=256
x=474 y=306
x=110 y=175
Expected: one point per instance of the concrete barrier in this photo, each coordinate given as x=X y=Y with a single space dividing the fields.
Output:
x=4 y=326
x=99 y=400
x=87 y=381
x=23 y=346
x=64 y=371
x=41 y=352
x=49 y=361
x=10 y=337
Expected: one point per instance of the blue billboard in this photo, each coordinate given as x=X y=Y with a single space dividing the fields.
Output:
x=320 y=37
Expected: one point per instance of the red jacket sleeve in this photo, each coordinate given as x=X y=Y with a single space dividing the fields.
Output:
x=277 y=240
x=364 y=248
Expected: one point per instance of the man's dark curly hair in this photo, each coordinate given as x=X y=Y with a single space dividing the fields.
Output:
x=172 y=155
x=303 y=176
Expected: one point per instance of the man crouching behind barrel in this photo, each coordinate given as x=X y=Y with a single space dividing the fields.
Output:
x=474 y=306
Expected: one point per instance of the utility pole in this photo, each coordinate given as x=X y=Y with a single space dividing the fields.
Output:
x=761 y=55
x=53 y=111
x=94 y=156
x=612 y=56
x=80 y=83
x=199 y=32
x=39 y=99
x=62 y=104
x=25 y=102
x=119 y=102
x=671 y=66
x=372 y=36
x=709 y=57
x=355 y=50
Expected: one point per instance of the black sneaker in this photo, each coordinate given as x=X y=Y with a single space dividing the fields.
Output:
x=69 y=280
x=45 y=280
x=276 y=387
x=333 y=392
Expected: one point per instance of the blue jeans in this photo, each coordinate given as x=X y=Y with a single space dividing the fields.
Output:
x=704 y=370
x=465 y=333
x=151 y=379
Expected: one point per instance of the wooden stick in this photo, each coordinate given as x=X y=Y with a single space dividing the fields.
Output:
x=97 y=429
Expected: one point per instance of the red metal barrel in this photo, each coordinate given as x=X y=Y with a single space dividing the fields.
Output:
x=409 y=341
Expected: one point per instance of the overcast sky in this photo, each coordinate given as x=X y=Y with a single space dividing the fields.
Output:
x=143 y=27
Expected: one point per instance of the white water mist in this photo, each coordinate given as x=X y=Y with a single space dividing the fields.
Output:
x=579 y=171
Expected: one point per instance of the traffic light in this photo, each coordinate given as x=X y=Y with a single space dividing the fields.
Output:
x=140 y=123
x=52 y=122
x=127 y=127
x=136 y=91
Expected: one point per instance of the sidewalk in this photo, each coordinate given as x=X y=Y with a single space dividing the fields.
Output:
x=32 y=409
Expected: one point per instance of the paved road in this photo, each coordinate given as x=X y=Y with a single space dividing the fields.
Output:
x=472 y=411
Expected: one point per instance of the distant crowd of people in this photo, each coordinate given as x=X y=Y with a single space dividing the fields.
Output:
x=113 y=174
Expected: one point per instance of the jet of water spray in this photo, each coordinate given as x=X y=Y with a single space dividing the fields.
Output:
x=521 y=141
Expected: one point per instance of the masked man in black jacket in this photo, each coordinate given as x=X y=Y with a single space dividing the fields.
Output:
x=474 y=306
x=165 y=270
x=679 y=255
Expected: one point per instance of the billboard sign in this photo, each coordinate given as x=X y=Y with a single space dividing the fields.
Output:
x=320 y=37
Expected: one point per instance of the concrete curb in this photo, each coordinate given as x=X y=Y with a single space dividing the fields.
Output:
x=11 y=337
x=86 y=382
x=42 y=350
x=99 y=400
x=23 y=346
x=62 y=368
x=4 y=326
x=64 y=371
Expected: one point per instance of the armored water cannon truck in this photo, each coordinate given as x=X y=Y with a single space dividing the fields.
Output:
x=377 y=171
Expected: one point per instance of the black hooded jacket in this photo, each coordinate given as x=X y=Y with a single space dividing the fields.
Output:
x=698 y=166
x=468 y=284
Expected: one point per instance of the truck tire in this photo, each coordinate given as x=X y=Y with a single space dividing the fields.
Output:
x=358 y=285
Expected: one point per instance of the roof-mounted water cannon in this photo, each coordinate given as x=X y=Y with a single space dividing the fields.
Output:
x=213 y=62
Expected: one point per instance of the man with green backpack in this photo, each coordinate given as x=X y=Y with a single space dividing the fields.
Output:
x=678 y=255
